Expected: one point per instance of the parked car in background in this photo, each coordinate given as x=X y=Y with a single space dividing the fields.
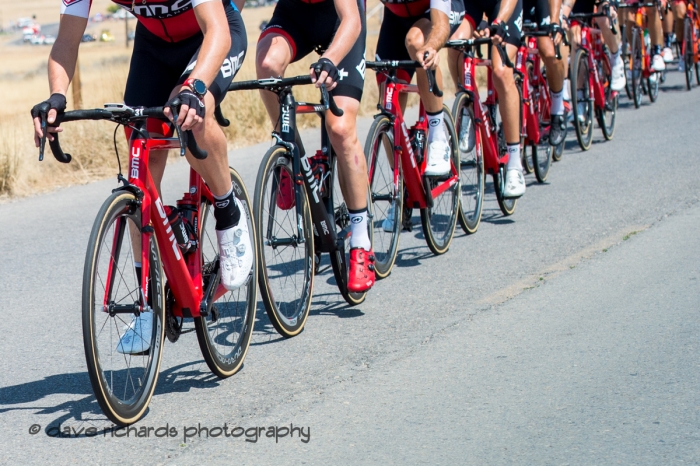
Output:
x=88 y=38
x=49 y=39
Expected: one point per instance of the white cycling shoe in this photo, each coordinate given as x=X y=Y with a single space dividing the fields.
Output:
x=438 y=159
x=388 y=222
x=137 y=335
x=515 y=184
x=657 y=63
x=235 y=253
x=667 y=54
x=618 y=79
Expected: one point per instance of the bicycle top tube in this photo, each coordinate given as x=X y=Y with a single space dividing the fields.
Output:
x=389 y=68
x=466 y=46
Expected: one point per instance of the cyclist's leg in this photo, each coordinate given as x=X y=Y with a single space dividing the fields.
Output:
x=657 y=38
x=668 y=35
x=438 y=147
x=613 y=43
x=460 y=28
x=391 y=46
x=679 y=12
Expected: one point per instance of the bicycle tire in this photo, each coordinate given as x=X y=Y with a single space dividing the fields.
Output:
x=438 y=226
x=636 y=69
x=507 y=205
x=624 y=47
x=471 y=167
x=607 y=116
x=224 y=335
x=110 y=371
x=688 y=51
x=542 y=151
x=385 y=244
x=340 y=258
x=584 y=129
x=285 y=274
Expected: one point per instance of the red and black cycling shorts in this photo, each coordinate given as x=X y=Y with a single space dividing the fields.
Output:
x=537 y=11
x=158 y=66
x=312 y=26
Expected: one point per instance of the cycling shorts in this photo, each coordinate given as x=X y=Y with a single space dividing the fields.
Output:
x=316 y=32
x=584 y=6
x=475 y=10
x=391 y=44
x=537 y=11
x=158 y=66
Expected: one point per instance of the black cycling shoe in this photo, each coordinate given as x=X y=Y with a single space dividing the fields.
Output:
x=557 y=131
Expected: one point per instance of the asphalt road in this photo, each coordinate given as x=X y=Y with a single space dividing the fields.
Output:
x=565 y=334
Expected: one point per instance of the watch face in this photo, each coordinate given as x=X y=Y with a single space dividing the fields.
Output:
x=199 y=87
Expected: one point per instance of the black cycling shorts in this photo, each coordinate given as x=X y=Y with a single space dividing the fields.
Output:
x=475 y=10
x=584 y=6
x=158 y=66
x=312 y=26
x=391 y=44
x=537 y=11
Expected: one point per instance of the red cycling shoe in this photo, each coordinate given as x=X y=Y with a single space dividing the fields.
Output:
x=361 y=277
x=285 y=191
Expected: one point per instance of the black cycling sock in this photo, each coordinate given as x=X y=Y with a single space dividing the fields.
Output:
x=226 y=212
x=667 y=39
x=656 y=50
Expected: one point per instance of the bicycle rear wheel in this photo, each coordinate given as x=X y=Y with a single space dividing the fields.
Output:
x=439 y=221
x=688 y=51
x=340 y=258
x=286 y=268
x=607 y=115
x=387 y=196
x=123 y=383
x=471 y=165
x=542 y=151
x=581 y=99
x=507 y=205
x=224 y=335
x=636 y=68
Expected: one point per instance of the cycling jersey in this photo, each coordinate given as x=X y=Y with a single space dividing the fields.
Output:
x=170 y=20
x=537 y=11
x=416 y=8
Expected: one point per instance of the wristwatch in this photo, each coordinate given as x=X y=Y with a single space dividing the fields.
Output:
x=197 y=86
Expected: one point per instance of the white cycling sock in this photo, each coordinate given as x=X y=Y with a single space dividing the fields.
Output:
x=557 y=102
x=358 y=228
x=514 y=162
x=436 y=130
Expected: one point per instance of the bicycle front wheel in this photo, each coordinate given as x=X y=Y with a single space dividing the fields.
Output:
x=471 y=164
x=688 y=51
x=224 y=334
x=439 y=221
x=286 y=270
x=386 y=195
x=581 y=99
x=113 y=303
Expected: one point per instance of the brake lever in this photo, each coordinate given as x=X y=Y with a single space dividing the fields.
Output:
x=43 y=116
x=432 y=79
x=504 y=56
x=181 y=136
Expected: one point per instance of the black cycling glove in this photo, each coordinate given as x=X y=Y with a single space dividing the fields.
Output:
x=324 y=64
x=56 y=102
x=483 y=25
x=498 y=28
x=191 y=100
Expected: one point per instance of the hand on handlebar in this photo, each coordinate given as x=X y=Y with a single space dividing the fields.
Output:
x=428 y=58
x=192 y=110
x=557 y=33
x=48 y=109
x=325 y=72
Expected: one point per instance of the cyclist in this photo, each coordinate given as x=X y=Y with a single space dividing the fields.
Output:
x=612 y=41
x=504 y=25
x=655 y=35
x=188 y=50
x=336 y=28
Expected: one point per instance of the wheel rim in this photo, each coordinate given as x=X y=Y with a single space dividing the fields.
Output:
x=125 y=379
x=471 y=169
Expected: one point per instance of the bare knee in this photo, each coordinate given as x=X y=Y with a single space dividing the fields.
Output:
x=414 y=40
x=502 y=77
x=272 y=57
x=342 y=132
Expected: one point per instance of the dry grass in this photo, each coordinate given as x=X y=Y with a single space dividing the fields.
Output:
x=104 y=68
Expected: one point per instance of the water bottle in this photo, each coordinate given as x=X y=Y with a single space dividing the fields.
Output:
x=182 y=236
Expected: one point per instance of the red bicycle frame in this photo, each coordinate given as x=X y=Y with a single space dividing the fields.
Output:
x=533 y=111
x=184 y=273
x=592 y=42
x=412 y=170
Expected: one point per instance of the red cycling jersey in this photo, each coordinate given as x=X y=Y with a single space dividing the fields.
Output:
x=171 y=20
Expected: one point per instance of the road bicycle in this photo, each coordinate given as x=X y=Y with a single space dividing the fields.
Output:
x=690 y=48
x=479 y=121
x=396 y=161
x=591 y=76
x=536 y=103
x=642 y=79
x=299 y=210
x=179 y=273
